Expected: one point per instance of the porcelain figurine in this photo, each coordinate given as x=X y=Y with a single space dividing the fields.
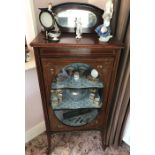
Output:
x=104 y=30
x=54 y=34
x=78 y=26
x=50 y=6
x=108 y=10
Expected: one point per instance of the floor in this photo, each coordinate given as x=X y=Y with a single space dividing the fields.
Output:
x=72 y=143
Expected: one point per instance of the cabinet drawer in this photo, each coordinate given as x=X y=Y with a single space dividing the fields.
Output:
x=76 y=52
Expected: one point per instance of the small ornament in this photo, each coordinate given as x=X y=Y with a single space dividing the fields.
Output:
x=97 y=101
x=93 y=90
x=94 y=73
x=60 y=97
x=91 y=96
x=54 y=35
x=50 y=6
x=104 y=30
x=76 y=76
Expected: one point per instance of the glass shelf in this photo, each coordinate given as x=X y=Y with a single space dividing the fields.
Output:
x=76 y=99
x=81 y=83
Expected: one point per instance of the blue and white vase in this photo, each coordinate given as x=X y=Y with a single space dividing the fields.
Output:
x=104 y=36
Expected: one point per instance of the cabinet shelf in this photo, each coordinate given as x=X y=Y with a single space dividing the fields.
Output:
x=76 y=100
x=76 y=120
x=81 y=83
x=85 y=104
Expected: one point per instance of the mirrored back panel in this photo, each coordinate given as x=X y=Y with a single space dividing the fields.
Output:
x=77 y=94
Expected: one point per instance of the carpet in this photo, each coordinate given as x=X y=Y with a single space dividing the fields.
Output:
x=72 y=143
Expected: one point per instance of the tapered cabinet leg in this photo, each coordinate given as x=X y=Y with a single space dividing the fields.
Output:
x=103 y=140
x=49 y=144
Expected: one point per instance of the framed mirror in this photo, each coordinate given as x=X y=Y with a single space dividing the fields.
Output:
x=66 y=13
x=67 y=18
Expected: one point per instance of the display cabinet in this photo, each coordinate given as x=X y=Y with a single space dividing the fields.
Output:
x=76 y=76
x=77 y=79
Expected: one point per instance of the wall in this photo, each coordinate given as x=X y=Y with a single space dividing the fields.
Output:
x=30 y=22
x=126 y=135
x=34 y=119
x=98 y=3
x=33 y=107
x=32 y=94
x=39 y=3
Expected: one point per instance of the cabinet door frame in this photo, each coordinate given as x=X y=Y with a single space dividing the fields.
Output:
x=51 y=67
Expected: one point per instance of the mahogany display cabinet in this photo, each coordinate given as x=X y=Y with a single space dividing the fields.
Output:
x=72 y=99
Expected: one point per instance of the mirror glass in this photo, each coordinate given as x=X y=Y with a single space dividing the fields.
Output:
x=67 y=18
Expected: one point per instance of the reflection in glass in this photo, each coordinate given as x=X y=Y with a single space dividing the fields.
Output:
x=67 y=18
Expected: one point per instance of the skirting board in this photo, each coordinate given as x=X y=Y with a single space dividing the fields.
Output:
x=35 y=131
x=124 y=144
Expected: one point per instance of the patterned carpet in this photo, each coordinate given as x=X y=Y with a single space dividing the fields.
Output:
x=72 y=143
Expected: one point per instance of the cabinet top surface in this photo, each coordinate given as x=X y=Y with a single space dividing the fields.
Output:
x=68 y=40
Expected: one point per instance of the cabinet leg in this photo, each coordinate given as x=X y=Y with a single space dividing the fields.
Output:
x=49 y=144
x=104 y=146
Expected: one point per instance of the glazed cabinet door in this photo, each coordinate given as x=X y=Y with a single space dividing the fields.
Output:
x=106 y=67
